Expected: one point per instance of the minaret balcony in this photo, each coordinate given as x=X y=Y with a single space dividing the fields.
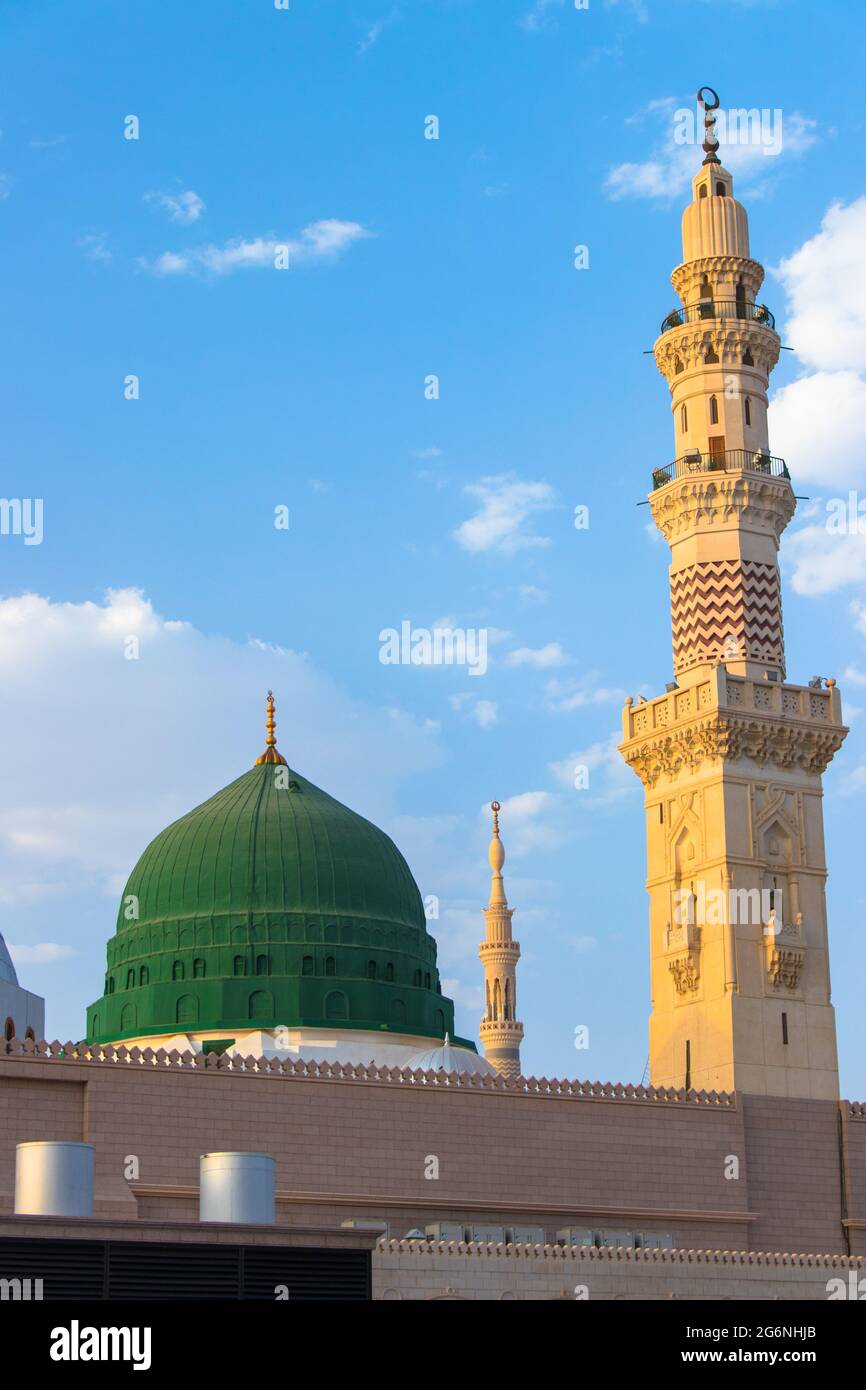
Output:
x=725 y=461
x=718 y=309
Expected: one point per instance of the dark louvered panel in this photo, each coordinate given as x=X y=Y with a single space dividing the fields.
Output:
x=157 y=1270
x=331 y=1275
x=68 y=1268
x=154 y=1270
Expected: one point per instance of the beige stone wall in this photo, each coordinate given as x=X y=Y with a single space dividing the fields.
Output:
x=440 y=1269
x=535 y=1153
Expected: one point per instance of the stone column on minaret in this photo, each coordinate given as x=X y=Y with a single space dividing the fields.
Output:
x=500 y=1032
x=731 y=756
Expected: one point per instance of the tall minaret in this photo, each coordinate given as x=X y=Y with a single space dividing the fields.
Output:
x=731 y=757
x=501 y=1034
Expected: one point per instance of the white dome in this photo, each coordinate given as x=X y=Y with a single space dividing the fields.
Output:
x=448 y=1058
x=7 y=969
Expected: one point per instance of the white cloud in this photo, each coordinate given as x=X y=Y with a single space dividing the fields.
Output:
x=42 y=953
x=321 y=240
x=541 y=658
x=95 y=246
x=129 y=745
x=609 y=777
x=183 y=207
x=529 y=822
x=667 y=172
x=500 y=524
x=485 y=713
x=376 y=30
x=816 y=421
x=566 y=696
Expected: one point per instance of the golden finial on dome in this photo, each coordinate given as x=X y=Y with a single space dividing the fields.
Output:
x=270 y=754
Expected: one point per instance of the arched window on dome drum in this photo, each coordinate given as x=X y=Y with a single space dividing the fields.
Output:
x=714 y=410
x=263 y=965
x=307 y=966
x=144 y=976
x=371 y=970
x=177 y=970
x=111 y=984
x=127 y=1018
x=130 y=979
x=330 y=965
x=198 y=969
x=240 y=966
x=398 y=1011
x=187 y=1010
x=747 y=408
x=416 y=979
x=440 y=1022
x=9 y=1029
x=389 y=970
x=261 y=1004
x=427 y=980
x=336 y=1005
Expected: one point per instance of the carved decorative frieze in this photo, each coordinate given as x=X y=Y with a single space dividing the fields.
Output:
x=732 y=736
x=785 y=966
x=686 y=972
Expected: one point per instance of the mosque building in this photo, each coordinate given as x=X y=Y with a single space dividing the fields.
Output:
x=272 y=1005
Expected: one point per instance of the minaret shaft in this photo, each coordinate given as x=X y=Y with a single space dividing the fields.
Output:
x=731 y=756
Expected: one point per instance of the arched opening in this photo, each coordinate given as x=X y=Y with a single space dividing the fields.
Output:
x=440 y=1023
x=336 y=1005
x=714 y=410
x=9 y=1029
x=678 y=366
x=497 y=1000
x=747 y=408
x=398 y=1011
x=261 y=1004
x=416 y=979
x=748 y=359
x=741 y=300
x=307 y=965
x=508 y=1003
x=371 y=970
x=389 y=970
x=240 y=966
x=263 y=965
x=29 y=1033
x=199 y=969
x=127 y=1018
x=720 y=190
x=144 y=976
x=710 y=355
x=130 y=979
x=186 y=1012
x=330 y=965
x=684 y=419
x=177 y=970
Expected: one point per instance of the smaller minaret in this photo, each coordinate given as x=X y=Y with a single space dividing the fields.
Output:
x=501 y=1034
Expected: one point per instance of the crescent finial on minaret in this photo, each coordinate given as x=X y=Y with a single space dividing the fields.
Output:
x=709 y=100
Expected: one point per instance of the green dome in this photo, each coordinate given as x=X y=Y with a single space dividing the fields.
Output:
x=270 y=904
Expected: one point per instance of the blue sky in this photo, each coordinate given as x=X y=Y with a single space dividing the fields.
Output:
x=304 y=388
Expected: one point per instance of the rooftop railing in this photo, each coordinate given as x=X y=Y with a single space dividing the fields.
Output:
x=731 y=461
x=718 y=309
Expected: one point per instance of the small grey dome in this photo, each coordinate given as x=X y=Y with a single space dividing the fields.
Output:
x=448 y=1058
x=7 y=969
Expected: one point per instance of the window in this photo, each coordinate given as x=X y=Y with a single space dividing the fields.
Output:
x=9 y=1030
x=198 y=969
x=416 y=979
x=29 y=1033
x=177 y=970
x=261 y=1004
x=144 y=976
x=720 y=190
x=785 y=1029
x=427 y=980
x=684 y=420
x=702 y=191
x=714 y=410
x=111 y=984
x=389 y=970
x=130 y=979
x=748 y=410
x=187 y=1010
x=710 y=355
x=307 y=967
x=330 y=965
x=336 y=1005
x=440 y=1022
x=688 y=1065
x=371 y=970
x=748 y=360
x=240 y=966
x=678 y=366
x=263 y=965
